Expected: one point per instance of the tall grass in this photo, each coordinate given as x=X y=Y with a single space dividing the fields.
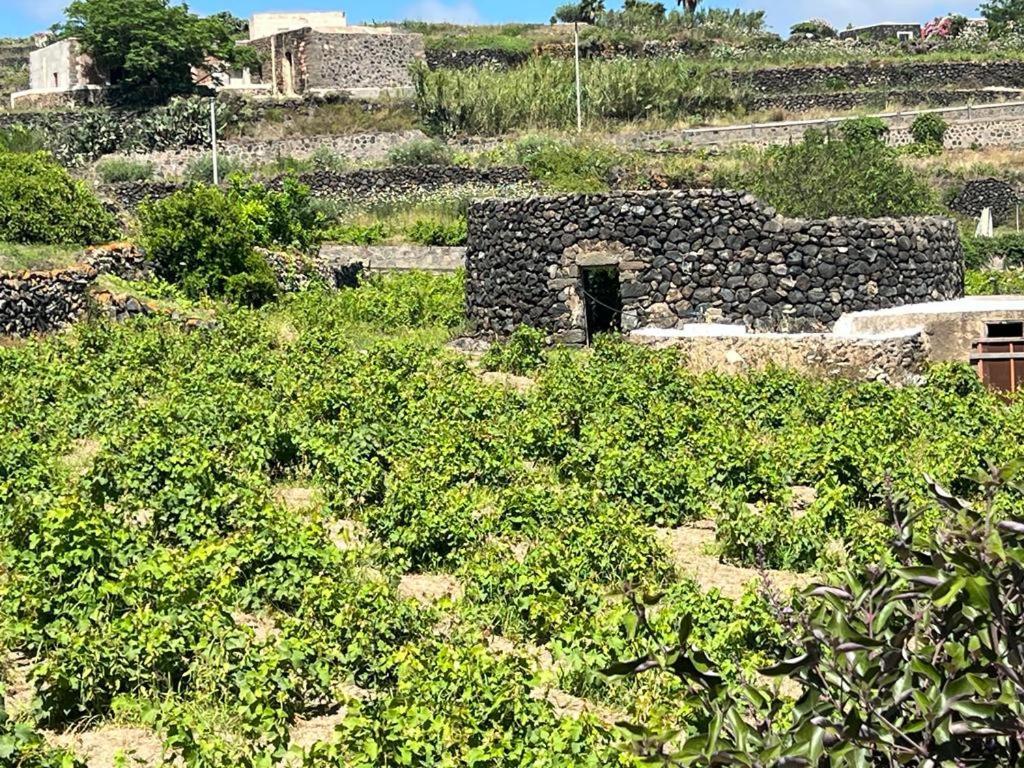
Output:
x=540 y=94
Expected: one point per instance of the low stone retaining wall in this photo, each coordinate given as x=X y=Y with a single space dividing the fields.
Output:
x=364 y=185
x=399 y=181
x=39 y=302
x=495 y=58
x=850 y=100
x=985 y=126
x=355 y=146
x=894 y=358
x=392 y=258
x=909 y=74
x=47 y=300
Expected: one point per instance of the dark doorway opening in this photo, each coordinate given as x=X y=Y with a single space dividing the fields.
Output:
x=603 y=301
x=1006 y=330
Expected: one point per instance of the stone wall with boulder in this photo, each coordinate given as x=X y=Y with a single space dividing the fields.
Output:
x=894 y=358
x=696 y=255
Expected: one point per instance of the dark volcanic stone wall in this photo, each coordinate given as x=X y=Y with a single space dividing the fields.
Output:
x=38 y=302
x=693 y=255
x=846 y=100
x=496 y=58
x=979 y=194
x=963 y=74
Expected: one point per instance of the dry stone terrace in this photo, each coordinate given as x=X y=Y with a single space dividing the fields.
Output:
x=574 y=265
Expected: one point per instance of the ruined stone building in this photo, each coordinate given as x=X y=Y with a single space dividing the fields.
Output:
x=309 y=53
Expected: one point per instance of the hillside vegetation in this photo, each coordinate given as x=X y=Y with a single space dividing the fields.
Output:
x=252 y=527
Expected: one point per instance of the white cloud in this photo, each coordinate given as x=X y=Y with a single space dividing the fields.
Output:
x=457 y=12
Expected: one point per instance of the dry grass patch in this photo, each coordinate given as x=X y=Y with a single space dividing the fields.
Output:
x=79 y=459
x=18 y=689
x=691 y=549
x=429 y=588
x=507 y=380
x=297 y=498
x=114 y=747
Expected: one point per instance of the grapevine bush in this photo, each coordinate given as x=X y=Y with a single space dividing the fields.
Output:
x=222 y=530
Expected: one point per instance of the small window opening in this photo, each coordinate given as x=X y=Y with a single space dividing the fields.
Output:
x=1010 y=330
x=904 y=35
x=603 y=301
x=56 y=80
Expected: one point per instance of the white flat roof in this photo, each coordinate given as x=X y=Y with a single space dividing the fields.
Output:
x=966 y=304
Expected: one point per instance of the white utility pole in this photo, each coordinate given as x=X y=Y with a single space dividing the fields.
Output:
x=213 y=139
x=579 y=97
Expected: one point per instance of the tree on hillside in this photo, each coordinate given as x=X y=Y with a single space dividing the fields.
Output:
x=689 y=5
x=1002 y=14
x=149 y=44
x=582 y=12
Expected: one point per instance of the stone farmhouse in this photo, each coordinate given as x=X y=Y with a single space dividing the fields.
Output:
x=300 y=53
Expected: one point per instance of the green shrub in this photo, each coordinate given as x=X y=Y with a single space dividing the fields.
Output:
x=863 y=129
x=985 y=282
x=438 y=232
x=852 y=176
x=979 y=252
x=521 y=354
x=203 y=238
x=284 y=218
x=876 y=651
x=326 y=159
x=356 y=234
x=566 y=167
x=929 y=130
x=816 y=27
x=19 y=138
x=114 y=170
x=200 y=169
x=422 y=152
x=41 y=203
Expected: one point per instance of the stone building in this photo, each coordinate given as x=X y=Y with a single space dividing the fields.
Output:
x=580 y=264
x=310 y=53
x=887 y=30
x=61 y=73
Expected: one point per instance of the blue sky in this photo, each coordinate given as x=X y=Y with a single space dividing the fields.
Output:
x=20 y=17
